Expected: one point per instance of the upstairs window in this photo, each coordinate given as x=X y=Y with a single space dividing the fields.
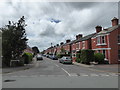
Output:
x=103 y=39
x=118 y=54
x=119 y=38
x=77 y=45
x=98 y=40
x=83 y=44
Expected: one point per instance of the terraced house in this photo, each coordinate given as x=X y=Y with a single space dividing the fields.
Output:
x=106 y=41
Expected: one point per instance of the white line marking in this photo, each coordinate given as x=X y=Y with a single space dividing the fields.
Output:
x=56 y=65
x=65 y=71
x=73 y=74
x=94 y=75
x=22 y=76
x=113 y=74
x=84 y=75
x=104 y=75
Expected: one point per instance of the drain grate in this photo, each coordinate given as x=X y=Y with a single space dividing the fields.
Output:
x=9 y=80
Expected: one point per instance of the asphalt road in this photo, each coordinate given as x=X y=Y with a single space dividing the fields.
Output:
x=52 y=74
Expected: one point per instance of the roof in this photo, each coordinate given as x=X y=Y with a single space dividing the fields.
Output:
x=81 y=39
x=85 y=37
x=107 y=30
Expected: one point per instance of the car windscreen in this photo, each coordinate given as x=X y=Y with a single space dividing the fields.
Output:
x=68 y=58
x=38 y=55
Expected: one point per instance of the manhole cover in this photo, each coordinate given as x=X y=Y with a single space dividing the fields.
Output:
x=9 y=80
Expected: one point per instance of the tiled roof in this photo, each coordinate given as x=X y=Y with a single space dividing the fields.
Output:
x=81 y=39
x=85 y=37
x=107 y=30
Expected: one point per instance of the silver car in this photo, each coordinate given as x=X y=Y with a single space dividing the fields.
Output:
x=65 y=59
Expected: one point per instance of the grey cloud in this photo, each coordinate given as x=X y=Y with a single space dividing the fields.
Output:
x=76 y=17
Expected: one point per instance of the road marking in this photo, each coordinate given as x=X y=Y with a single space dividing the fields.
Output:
x=113 y=74
x=22 y=76
x=94 y=74
x=84 y=75
x=73 y=74
x=56 y=65
x=66 y=71
x=104 y=75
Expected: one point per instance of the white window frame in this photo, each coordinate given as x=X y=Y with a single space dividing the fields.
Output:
x=98 y=40
x=118 y=55
x=77 y=46
x=83 y=43
x=103 y=40
x=118 y=38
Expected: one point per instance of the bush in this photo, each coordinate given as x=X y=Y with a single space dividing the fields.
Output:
x=61 y=55
x=78 y=58
x=27 y=57
x=99 y=57
x=87 y=56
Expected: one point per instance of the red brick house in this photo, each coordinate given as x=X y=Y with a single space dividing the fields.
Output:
x=67 y=47
x=81 y=43
x=107 y=41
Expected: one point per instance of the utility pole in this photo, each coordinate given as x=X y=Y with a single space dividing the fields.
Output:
x=51 y=48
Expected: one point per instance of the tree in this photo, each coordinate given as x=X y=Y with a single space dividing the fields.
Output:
x=35 y=49
x=13 y=40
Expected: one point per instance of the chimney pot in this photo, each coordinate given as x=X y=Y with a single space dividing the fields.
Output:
x=98 y=29
x=61 y=43
x=57 y=45
x=67 y=41
x=115 y=21
x=78 y=36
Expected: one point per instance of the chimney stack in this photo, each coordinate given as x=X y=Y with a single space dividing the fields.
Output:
x=67 y=41
x=115 y=21
x=78 y=36
x=61 y=43
x=57 y=45
x=98 y=29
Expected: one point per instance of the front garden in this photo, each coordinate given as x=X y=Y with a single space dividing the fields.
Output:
x=88 y=56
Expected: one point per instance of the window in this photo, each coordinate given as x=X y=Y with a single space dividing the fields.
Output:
x=103 y=39
x=83 y=44
x=98 y=40
x=77 y=45
x=119 y=38
x=118 y=54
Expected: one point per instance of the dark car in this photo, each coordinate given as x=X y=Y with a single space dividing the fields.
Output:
x=39 y=57
x=65 y=60
x=54 y=57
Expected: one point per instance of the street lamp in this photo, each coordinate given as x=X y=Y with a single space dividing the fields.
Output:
x=51 y=48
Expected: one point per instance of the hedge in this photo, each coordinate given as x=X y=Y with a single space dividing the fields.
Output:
x=86 y=56
x=78 y=57
x=99 y=57
x=27 y=57
x=61 y=55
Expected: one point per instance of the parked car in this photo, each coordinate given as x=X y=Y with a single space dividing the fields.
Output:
x=65 y=59
x=47 y=56
x=39 y=57
x=53 y=57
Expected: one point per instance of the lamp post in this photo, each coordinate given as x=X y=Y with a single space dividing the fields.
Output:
x=51 y=48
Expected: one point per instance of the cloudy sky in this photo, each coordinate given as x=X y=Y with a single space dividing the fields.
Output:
x=54 y=22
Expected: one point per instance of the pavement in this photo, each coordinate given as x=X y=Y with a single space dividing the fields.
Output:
x=14 y=69
x=113 y=68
